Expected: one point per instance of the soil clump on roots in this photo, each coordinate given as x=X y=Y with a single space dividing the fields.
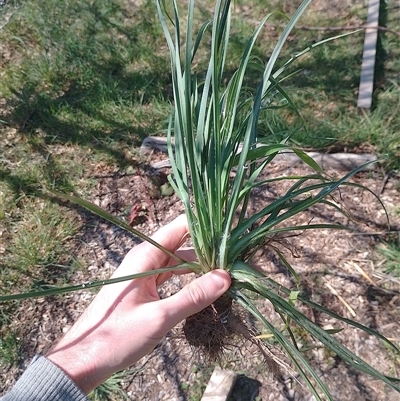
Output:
x=209 y=330
x=219 y=326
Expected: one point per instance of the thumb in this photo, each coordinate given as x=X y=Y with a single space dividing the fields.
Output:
x=196 y=296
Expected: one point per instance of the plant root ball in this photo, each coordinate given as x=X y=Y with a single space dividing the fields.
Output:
x=212 y=330
x=209 y=330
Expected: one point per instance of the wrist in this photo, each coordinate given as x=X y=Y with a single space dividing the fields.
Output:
x=79 y=362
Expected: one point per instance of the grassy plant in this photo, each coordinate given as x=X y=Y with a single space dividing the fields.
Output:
x=41 y=238
x=74 y=73
x=325 y=88
x=111 y=389
x=214 y=124
x=9 y=345
x=391 y=252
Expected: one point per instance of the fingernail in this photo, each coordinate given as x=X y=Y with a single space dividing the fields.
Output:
x=221 y=278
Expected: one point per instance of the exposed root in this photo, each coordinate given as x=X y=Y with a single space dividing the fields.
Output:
x=239 y=327
x=209 y=329
x=212 y=331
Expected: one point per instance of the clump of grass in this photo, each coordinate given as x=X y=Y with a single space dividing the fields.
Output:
x=75 y=72
x=9 y=347
x=35 y=253
x=111 y=389
x=325 y=88
x=215 y=127
x=391 y=252
x=40 y=237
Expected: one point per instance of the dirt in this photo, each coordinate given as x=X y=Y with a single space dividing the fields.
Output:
x=339 y=269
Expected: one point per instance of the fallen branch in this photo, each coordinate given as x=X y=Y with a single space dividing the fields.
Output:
x=336 y=161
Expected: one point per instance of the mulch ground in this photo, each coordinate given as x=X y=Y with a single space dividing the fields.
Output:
x=339 y=269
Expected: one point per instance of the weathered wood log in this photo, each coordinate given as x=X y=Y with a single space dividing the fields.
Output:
x=335 y=161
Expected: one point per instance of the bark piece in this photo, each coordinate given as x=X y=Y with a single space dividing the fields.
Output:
x=220 y=385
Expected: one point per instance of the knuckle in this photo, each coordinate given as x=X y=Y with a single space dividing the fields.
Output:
x=196 y=294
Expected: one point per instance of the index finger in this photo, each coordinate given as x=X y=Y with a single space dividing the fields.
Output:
x=145 y=256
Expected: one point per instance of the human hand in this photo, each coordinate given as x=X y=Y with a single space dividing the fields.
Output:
x=127 y=320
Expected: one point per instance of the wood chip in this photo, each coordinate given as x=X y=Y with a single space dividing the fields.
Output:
x=362 y=272
x=341 y=299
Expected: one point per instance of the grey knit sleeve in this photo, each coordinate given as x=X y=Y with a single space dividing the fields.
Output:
x=44 y=381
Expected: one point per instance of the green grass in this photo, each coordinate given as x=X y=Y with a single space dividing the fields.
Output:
x=96 y=75
x=9 y=349
x=82 y=83
x=78 y=73
x=41 y=233
x=111 y=389
x=38 y=238
x=325 y=88
x=390 y=250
